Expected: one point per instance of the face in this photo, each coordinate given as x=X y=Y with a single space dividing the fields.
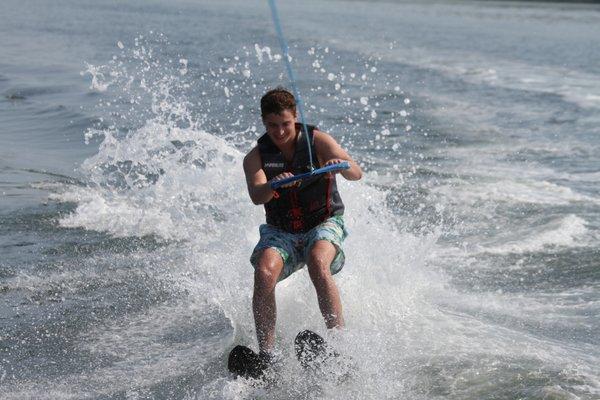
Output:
x=281 y=127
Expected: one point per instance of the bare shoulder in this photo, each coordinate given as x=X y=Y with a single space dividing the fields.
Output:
x=252 y=155
x=323 y=139
x=252 y=159
x=322 y=136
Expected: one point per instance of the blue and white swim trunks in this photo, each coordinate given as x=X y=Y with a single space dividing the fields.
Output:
x=294 y=248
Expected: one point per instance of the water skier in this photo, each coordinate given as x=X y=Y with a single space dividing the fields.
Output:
x=305 y=224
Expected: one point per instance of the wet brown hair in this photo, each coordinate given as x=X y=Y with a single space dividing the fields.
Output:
x=276 y=101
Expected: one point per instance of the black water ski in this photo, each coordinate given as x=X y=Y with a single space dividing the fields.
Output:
x=316 y=355
x=244 y=362
x=311 y=349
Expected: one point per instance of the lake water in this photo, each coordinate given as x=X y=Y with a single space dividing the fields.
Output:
x=473 y=262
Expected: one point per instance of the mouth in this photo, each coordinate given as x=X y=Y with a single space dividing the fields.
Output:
x=279 y=136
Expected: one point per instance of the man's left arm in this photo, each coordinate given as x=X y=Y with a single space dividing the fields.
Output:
x=330 y=152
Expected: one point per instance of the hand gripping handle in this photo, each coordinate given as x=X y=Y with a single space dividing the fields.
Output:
x=318 y=171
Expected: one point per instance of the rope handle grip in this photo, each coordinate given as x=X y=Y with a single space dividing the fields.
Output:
x=318 y=171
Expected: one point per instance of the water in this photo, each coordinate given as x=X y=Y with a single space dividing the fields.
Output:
x=126 y=228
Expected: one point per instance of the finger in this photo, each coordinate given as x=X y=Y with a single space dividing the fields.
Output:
x=283 y=175
x=291 y=184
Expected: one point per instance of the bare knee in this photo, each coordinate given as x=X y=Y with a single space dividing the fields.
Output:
x=318 y=267
x=319 y=261
x=267 y=270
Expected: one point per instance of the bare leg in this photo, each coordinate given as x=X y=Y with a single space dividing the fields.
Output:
x=320 y=259
x=266 y=274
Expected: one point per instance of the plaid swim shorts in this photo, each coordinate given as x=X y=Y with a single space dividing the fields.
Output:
x=294 y=248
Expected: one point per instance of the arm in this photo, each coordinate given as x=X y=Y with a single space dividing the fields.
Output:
x=259 y=188
x=330 y=152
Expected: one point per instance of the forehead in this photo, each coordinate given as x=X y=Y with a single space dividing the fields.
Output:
x=284 y=116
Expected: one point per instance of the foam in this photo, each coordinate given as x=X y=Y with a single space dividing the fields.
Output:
x=575 y=87
x=191 y=179
x=524 y=191
x=99 y=82
x=562 y=232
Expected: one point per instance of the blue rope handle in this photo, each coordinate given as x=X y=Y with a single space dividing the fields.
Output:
x=319 y=171
x=290 y=72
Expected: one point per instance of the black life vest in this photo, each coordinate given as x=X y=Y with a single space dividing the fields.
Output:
x=299 y=209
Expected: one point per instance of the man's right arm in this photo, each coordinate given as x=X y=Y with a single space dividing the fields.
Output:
x=259 y=188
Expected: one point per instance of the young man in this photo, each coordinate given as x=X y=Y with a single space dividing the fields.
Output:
x=304 y=219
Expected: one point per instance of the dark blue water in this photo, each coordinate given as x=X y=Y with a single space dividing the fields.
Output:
x=125 y=226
